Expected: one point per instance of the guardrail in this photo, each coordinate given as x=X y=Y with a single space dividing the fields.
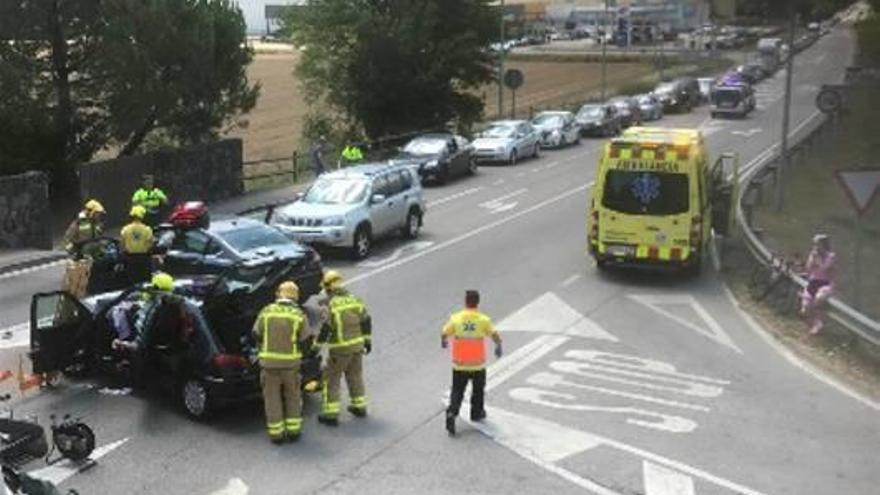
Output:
x=845 y=315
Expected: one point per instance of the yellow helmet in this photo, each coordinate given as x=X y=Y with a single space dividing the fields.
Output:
x=288 y=290
x=93 y=206
x=332 y=280
x=138 y=211
x=164 y=282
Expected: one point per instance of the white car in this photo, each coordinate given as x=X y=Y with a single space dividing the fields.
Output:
x=507 y=141
x=351 y=207
x=557 y=129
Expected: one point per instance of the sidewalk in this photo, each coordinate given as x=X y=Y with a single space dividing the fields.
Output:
x=15 y=260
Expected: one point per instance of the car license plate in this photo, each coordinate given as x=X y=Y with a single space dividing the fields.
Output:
x=621 y=250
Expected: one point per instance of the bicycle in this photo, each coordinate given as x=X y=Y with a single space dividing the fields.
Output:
x=773 y=284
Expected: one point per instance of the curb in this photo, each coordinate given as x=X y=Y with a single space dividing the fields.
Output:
x=38 y=260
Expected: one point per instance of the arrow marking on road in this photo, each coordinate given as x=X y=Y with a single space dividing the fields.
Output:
x=235 y=487
x=58 y=473
x=749 y=133
x=549 y=314
x=401 y=251
x=712 y=329
x=500 y=205
x=660 y=480
x=15 y=336
x=466 y=192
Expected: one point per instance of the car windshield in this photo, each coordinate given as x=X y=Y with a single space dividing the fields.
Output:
x=646 y=193
x=253 y=237
x=728 y=95
x=336 y=192
x=548 y=120
x=593 y=111
x=246 y=278
x=499 y=131
x=646 y=100
x=425 y=146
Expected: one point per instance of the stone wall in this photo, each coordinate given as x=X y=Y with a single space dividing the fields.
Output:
x=24 y=211
x=208 y=172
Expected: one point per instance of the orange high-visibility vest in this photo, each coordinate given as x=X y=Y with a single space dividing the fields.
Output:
x=469 y=329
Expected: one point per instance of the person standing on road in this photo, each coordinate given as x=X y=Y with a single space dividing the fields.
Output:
x=468 y=330
x=820 y=282
x=151 y=198
x=351 y=154
x=279 y=333
x=86 y=227
x=317 y=154
x=137 y=244
x=348 y=334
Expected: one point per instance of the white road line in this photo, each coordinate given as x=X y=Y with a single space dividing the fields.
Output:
x=235 y=487
x=438 y=202
x=498 y=182
x=572 y=279
x=472 y=233
x=25 y=271
x=551 y=165
x=58 y=473
x=660 y=480
x=711 y=330
x=520 y=174
x=15 y=336
x=536 y=169
x=511 y=364
x=491 y=202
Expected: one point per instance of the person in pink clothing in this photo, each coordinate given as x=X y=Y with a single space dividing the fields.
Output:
x=820 y=282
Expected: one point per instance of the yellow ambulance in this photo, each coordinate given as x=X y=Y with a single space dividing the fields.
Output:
x=651 y=200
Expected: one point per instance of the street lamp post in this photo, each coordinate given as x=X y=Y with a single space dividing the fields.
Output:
x=501 y=66
x=786 y=116
x=604 y=49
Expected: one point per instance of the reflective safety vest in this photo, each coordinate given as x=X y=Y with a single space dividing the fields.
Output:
x=278 y=328
x=149 y=198
x=81 y=230
x=137 y=238
x=347 y=314
x=352 y=153
x=469 y=329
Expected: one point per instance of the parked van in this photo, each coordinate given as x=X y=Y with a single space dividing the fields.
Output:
x=652 y=200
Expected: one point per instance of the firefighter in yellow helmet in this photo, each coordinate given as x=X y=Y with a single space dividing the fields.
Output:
x=86 y=226
x=347 y=334
x=279 y=331
x=137 y=245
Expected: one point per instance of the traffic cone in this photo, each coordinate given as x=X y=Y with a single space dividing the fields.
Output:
x=29 y=381
x=5 y=375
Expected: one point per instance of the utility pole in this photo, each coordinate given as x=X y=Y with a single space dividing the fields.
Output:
x=605 y=30
x=786 y=115
x=501 y=53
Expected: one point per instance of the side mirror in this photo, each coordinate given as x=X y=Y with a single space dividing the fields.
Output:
x=377 y=198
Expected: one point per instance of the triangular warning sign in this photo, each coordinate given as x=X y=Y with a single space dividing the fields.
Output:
x=861 y=186
x=551 y=315
x=666 y=305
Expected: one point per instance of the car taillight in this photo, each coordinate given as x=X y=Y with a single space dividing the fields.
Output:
x=594 y=228
x=696 y=232
x=229 y=361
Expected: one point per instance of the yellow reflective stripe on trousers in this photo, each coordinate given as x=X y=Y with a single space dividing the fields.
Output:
x=275 y=429
x=328 y=408
x=347 y=343
x=293 y=425
x=359 y=402
x=264 y=351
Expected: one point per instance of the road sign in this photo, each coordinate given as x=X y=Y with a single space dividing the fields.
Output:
x=862 y=186
x=829 y=99
x=513 y=78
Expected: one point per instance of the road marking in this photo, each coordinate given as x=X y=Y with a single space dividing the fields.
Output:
x=401 y=251
x=536 y=169
x=796 y=361
x=551 y=315
x=520 y=175
x=547 y=443
x=477 y=231
x=511 y=364
x=660 y=480
x=500 y=205
x=466 y=192
x=25 y=271
x=747 y=134
x=235 y=487
x=572 y=279
x=551 y=165
x=712 y=329
x=58 y=473
x=15 y=336
x=498 y=182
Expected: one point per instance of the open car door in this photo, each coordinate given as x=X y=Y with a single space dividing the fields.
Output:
x=60 y=332
x=723 y=181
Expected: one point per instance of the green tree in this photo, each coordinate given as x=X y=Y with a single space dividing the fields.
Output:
x=391 y=66
x=81 y=75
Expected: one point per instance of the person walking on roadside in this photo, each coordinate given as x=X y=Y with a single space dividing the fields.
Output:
x=468 y=330
x=151 y=198
x=137 y=245
x=820 y=282
x=87 y=226
x=279 y=331
x=348 y=335
x=317 y=155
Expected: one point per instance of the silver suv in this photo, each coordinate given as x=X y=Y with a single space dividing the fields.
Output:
x=351 y=207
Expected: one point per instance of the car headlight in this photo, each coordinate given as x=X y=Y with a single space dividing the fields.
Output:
x=431 y=164
x=555 y=133
x=334 y=221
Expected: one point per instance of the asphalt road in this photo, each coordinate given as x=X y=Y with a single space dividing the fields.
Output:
x=620 y=383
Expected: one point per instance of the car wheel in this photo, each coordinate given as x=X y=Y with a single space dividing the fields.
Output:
x=536 y=151
x=413 y=223
x=363 y=243
x=442 y=176
x=195 y=399
x=562 y=141
x=472 y=166
x=601 y=264
x=511 y=160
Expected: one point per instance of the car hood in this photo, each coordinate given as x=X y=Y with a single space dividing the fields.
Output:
x=492 y=143
x=405 y=159
x=301 y=209
x=281 y=251
x=584 y=119
x=547 y=127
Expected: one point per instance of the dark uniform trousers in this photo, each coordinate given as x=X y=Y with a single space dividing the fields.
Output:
x=460 y=379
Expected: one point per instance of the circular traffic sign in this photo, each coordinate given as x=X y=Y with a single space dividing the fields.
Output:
x=829 y=100
x=513 y=78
